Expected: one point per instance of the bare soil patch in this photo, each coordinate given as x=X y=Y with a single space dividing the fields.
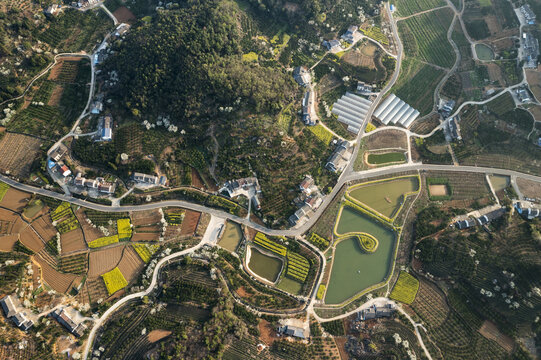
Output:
x=7 y=242
x=54 y=100
x=140 y=218
x=57 y=69
x=536 y=112
x=72 y=241
x=491 y=332
x=124 y=15
x=356 y=57
x=17 y=152
x=493 y=24
x=157 y=335
x=386 y=139
x=147 y=229
x=60 y=282
x=189 y=224
x=96 y=289
x=495 y=74
x=31 y=240
x=437 y=190
x=267 y=332
x=90 y=233
x=145 y=237
x=196 y=180
x=529 y=188
x=534 y=80
x=44 y=227
x=131 y=264
x=102 y=261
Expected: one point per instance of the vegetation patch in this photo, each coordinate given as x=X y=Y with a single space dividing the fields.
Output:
x=320 y=291
x=124 y=229
x=114 y=281
x=103 y=241
x=324 y=135
x=64 y=219
x=405 y=289
x=385 y=158
x=262 y=240
x=145 y=251
x=432 y=184
x=3 y=190
x=318 y=241
x=367 y=242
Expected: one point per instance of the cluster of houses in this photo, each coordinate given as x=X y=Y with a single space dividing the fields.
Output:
x=530 y=47
x=340 y=157
x=98 y=184
x=528 y=210
x=351 y=36
x=484 y=219
x=16 y=313
x=59 y=167
x=528 y=14
x=246 y=186
x=365 y=89
x=309 y=200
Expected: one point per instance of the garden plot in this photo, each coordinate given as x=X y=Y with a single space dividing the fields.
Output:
x=102 y=261
x=60 y=282
x=96 y=289
x=131 y=264
x=72 y=241
x=91 y=233
x=15 y=200
x=44 y=227
x=8 y=241
x=144 y=218
x=386 y=139
x=31 y=240
x=189 y=225
x=528 y=188
x=17 y=153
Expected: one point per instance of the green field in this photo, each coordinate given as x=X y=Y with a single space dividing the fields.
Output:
x=405 y=289
x=409 y=7
x=376 y=159
x=290 y=285
x=353 y=269
x=417 y=83
x=425 y=37
x=3 y=190
x=114 y=281
x=386 y=196
x=484 y=52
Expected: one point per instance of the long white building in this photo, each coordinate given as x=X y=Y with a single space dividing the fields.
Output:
x=351 y=110
x=395 y=111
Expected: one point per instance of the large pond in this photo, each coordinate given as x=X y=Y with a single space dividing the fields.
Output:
x=385 y=197
x=354 y=270
x=267 y=267
x=232 y=236
x=484 y=52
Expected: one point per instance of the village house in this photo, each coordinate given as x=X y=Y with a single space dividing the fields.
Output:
x=64 y=318
x=375 y=312
x=307 y=185
x=339 y=158
x=11 y=310
x=302 y=76
x=332 y=45
x=58 y=152
x=528 y=210
x=350 y=34
x=98 y=184
x=105 y=130
x=309 y=115
x=292 y=331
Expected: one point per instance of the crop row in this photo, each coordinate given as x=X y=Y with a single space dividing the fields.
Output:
x=262 y=240
x=375 y=33
x=145 y=251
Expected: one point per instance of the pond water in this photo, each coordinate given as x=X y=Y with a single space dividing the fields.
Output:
x=499 y=182
x=484 y=52
x=232 y=236
x=268 y=267
x=385 y=197
x=353 y=269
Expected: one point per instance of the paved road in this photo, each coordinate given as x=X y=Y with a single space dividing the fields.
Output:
x=99 y=322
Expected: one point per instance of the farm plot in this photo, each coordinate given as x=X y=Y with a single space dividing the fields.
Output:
x=60 y=282
x=3 y=190
x=146 y=236
x=44 y=227
x=31 y=240
x=99 y=218
x=72 y=241
x=40 y=120
x=102 y=261
x=430 y=304
x=143 y=218
x=405 y=289
x=103 y=241
x=189 y=224
x=417 y=83
x=64 y=219
x=124 y=229
x=386 y=139
x=114 y=281
x=534 y=80
x=90 y=232
x=7 y=242
x=410 y=7
x=145 y=251
x=529 y=188
x=74 y=264
x=15 y=200
x=131 y=264
x=17 y=153
x=425 y=37
x=96 y=289
x=464 y=186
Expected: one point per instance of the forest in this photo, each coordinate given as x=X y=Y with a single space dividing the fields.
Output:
x=190 y=63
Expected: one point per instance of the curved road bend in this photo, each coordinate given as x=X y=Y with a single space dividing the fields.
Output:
x=137 y=295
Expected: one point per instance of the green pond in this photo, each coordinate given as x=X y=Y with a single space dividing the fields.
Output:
x=232 y=236
x=354 y=270
x=385 y=197
x=268 y=267
x=499 y=182
x=484 y=52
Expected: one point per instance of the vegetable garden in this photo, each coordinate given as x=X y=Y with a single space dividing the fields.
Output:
x=405 y=289
x=114 y=281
